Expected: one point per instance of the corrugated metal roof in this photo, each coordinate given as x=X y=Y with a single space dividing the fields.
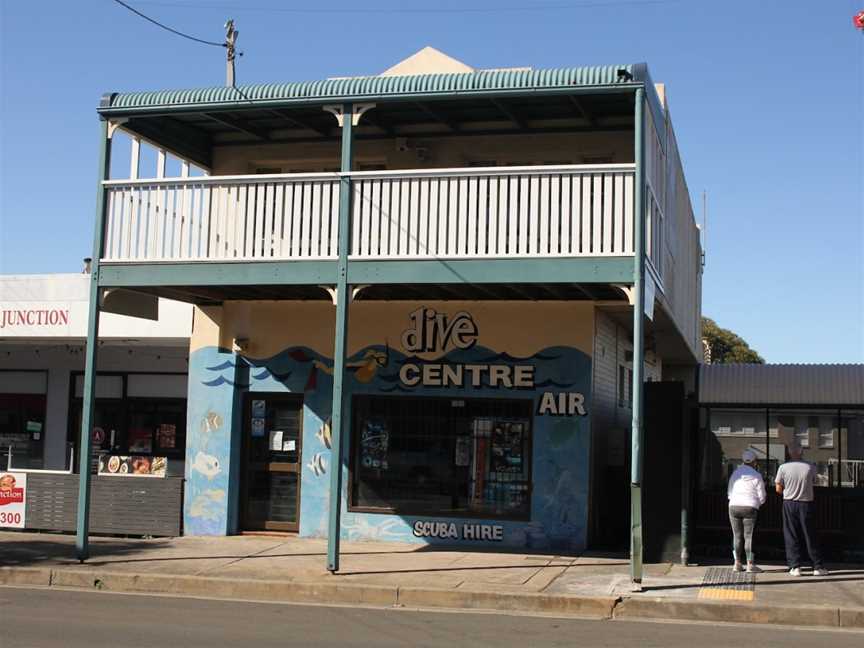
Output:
x=782 y=384
x=376 y=87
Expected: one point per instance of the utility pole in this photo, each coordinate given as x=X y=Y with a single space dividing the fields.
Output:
x=231 y=36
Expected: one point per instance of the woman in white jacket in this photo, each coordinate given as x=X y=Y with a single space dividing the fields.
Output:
x=746 y=495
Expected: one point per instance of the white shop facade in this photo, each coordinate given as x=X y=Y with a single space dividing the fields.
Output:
x=141 y=389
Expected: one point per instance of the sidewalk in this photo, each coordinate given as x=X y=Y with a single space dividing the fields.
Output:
x=291 y=569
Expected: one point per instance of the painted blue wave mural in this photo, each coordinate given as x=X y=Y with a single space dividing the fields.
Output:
x=560 y=444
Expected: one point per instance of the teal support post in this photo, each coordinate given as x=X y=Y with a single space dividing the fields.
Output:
x=82 y=548
x=638 y=346
x=341 y=409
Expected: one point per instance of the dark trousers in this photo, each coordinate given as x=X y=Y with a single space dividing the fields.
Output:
x=799 y=528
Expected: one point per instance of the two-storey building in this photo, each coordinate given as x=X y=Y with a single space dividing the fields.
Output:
x=415 y=293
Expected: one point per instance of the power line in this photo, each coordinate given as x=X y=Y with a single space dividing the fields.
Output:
x=167 y=28
x=414 y=10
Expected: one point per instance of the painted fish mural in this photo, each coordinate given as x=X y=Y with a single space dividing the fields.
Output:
x=211 y=422
x=318 y=465
x=325 y=434
x=206 y=464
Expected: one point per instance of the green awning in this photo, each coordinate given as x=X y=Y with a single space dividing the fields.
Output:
x=376 y=88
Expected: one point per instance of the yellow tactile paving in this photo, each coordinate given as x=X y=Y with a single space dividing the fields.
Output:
x=725 y=594
x=724 y=584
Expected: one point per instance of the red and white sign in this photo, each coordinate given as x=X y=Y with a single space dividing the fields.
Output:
x=43 y=318
x=13 y=499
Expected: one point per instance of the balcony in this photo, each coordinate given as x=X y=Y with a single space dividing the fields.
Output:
x=542 y=206
x=531 y=212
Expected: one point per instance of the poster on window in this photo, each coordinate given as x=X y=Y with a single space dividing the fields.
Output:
x=506 y=455
x=128 y=465
x=374 y=442
x=13 y=500
x=166 y=436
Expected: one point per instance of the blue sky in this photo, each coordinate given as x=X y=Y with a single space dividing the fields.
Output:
x=767 y=99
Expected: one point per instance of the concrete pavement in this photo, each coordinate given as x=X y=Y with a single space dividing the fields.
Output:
x=292 y=569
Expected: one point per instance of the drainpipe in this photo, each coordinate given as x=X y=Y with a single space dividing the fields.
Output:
x=638 y=347
x=82 y=548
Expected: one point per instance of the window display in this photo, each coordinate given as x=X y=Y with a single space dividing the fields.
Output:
x=441 y=456
x=129 y=425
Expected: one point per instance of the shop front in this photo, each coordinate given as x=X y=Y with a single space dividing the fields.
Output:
x=470 y=422
x=765 y=409
x=140 y=414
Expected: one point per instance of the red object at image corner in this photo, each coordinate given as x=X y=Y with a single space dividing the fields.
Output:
x=858 y=20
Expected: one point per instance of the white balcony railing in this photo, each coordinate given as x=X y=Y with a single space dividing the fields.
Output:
x=217 y=218
x=493 y=212
x=509 y=212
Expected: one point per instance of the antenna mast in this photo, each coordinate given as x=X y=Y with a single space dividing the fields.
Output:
x=704 y=225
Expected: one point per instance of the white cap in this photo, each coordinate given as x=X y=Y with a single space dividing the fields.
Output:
x=748 y=456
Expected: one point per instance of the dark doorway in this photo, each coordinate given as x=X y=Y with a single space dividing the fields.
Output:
x=272 y=440
x=664 y=457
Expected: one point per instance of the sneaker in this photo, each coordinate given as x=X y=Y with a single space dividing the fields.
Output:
x=820 y=572
x=795 y=571
x=753 y=569
x=737 y=567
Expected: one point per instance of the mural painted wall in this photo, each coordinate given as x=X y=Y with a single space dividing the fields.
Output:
x=537 y=351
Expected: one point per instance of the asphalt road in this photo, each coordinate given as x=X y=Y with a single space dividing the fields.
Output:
x=46 y=618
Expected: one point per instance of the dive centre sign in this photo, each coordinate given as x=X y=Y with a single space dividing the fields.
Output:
x=432 y=332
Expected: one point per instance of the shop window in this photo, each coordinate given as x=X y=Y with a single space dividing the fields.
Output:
x=730 y=432
x=156 y=428
x=436 y=456
x=826 y=438
x=849 y=463
x=813 y=431
x=134 y=414
x=22 y=429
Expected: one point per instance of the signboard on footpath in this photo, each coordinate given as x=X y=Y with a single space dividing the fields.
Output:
x=13 y=500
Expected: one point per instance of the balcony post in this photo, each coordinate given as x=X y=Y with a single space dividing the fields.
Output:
x=82 y=548
x=638 y=346
x=340 y=409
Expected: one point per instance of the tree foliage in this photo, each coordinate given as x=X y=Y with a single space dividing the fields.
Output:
x=727 y=347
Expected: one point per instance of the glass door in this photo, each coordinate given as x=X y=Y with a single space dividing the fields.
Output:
x=272 y=454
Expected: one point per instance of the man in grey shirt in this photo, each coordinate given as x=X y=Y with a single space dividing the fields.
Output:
x=794 y=482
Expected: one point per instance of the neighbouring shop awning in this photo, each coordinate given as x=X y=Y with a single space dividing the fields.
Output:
x=782 y=384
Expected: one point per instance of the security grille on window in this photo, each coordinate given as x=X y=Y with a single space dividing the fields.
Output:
x=437 y=456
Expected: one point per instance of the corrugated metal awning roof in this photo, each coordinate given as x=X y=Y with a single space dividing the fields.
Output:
x=782 y=384
x=377 y=88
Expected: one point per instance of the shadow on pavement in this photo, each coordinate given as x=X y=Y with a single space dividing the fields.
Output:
x=32 y=553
